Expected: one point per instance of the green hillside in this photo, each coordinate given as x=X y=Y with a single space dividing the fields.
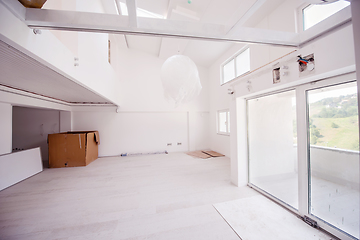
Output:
x=334 y=122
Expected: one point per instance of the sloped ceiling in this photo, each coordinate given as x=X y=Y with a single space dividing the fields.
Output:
x=21 y=72
x=229 y=17
x=204 y=53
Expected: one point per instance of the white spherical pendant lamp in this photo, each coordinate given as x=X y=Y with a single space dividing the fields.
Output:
x=180 y=79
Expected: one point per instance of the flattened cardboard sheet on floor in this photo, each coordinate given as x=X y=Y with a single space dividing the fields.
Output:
x=258 y=217
x=205 y=154
x=199 y=154
x=213 y=153
x=73 y=149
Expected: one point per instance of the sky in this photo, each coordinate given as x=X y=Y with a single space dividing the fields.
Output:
x=334 y=91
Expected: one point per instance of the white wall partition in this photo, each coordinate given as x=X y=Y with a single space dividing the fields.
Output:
x=16 y=167
x=5 y=128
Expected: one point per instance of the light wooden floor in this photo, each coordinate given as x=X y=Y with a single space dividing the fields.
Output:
x=146 y=197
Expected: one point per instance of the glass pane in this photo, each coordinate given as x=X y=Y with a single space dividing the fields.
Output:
x=222 y=122
x=334 y=156
x=272 y=146
x=243 y=62
x=229 y=71
x=313 y=14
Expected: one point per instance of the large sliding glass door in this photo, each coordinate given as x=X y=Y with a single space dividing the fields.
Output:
x=334 y=156
x=272 y=146
x=303 y=151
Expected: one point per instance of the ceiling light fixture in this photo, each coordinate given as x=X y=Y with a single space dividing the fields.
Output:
x=180 y=79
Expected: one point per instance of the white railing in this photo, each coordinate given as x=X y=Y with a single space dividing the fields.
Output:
x=340 y=166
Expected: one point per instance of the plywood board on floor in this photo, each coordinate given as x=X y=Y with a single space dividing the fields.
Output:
x=213 y=153
x=260 y=218
x=199 y=154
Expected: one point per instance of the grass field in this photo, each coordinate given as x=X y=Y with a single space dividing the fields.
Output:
x=345 y=136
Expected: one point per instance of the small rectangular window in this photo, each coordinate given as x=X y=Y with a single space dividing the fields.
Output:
x=243 y=63
x=315 y=13
x=224 y=122
x=229 y=71
x=236 y=66
x=228 y=122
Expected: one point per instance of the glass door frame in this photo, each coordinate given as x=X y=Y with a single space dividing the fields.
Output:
x=265 y=193
x=303 y=145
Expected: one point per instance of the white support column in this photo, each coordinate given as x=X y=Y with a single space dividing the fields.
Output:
x=238 y=141
x=355 y=11
x=234 y=161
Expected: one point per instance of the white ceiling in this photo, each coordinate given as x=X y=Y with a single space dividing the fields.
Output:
x=229 y=14
x=226 y=12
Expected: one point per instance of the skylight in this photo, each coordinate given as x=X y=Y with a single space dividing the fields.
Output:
x=139 y=12
x=313 y=14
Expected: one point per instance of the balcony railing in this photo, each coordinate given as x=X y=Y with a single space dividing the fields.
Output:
x=336 y=165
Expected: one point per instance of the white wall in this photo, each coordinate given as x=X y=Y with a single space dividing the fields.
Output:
x=146 y=122
x=31 y=127
x=220 y=100
x=281 y=19
x=137 y=132
x=324 y=49
x=65 y=121
x=339 y=44
x=5 y=128
x=142 y=132
x=140 y=84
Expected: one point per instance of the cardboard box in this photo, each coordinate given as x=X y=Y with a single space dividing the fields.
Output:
x=73 y=149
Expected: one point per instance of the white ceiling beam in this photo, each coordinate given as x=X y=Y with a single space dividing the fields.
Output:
x=16 y=8
x=131 y=7
x=106 y=23
x=251 y=11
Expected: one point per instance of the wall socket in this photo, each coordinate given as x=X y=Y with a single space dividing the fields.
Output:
x=169 y=144
x=178 y=143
